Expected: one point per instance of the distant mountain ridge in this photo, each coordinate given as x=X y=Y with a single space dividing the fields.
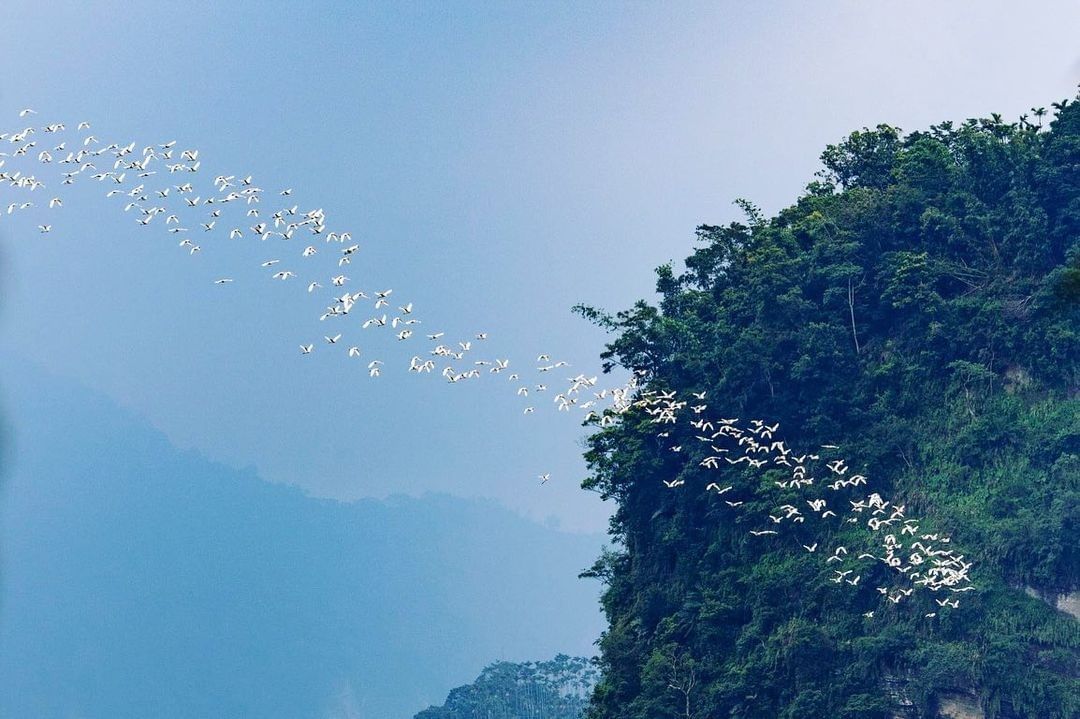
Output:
x=555 y=689
x=138 y=580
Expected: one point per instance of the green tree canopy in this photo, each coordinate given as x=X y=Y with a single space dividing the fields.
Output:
x=919 y=306
x=554 y=689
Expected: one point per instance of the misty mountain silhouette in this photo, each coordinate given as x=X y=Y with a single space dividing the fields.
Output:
x=143 y=581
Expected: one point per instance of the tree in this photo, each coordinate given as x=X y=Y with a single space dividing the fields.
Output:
x=919 y=305
x=555 y=689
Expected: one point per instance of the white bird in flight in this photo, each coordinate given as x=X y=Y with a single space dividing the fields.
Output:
x=746 y=444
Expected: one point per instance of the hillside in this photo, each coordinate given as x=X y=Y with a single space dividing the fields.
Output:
x=139 y=580
x=555 y=689
x=919 y=305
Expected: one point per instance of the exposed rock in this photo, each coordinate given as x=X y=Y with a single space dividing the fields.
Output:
x=896 y=688
x=959 y=706
x=1068 y=603
x=1016 y=378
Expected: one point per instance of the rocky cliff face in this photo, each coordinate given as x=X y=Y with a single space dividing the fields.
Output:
x=960 y=706
x=1067 y=603
x=1070 y=604
x=950 y=705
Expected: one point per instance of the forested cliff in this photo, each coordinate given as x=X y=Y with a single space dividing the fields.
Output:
x=918 y=306
x=555 y=689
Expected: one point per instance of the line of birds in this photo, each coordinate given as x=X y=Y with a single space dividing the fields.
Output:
x=233 y=209
x=810 y=487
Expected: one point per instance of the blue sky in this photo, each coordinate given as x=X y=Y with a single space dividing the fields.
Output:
x=499 y=163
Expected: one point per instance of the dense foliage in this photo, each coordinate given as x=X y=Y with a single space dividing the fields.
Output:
x=918 y=306
x=555 y=689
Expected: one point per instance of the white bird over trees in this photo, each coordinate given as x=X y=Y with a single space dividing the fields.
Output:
x=749 y=454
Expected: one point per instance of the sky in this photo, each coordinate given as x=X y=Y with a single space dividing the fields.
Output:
x=145 y=581
x=498 y=163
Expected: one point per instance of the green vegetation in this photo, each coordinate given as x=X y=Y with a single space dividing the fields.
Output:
x=556 y=689
x=918 y=306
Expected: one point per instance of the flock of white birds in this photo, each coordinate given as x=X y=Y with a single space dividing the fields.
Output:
x=158 y=185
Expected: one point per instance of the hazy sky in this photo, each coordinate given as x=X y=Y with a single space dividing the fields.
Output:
x=498 y=163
